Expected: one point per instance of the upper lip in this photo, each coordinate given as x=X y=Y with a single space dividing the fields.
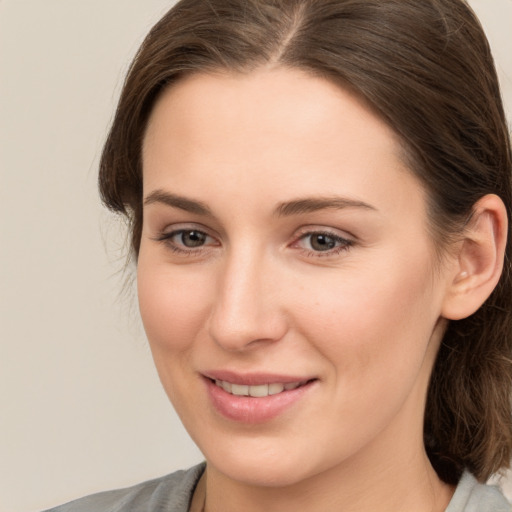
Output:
x=253 y=378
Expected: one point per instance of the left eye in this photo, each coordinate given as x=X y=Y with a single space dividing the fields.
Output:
x=323 y=242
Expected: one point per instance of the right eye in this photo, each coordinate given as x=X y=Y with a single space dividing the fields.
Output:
x=187 y=240
x=190 y=238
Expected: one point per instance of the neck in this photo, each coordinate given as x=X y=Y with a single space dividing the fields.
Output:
x=386 y=489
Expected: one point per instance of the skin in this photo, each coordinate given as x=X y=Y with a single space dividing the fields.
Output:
x=364 y=319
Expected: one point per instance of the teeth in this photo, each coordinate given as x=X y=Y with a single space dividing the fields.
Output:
x=257 y=391
x=239 y=390
x=274 y=389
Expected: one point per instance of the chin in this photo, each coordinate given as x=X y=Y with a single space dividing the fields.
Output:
x=261 y=464
x=263 y=474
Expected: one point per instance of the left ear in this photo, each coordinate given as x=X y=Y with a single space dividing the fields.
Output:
x=479 y=261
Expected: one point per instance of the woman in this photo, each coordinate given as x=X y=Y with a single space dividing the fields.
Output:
x=319 y=195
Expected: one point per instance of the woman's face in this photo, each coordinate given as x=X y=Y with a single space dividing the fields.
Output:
x=285 y=254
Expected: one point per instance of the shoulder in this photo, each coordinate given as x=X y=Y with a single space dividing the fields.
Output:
x=472 y=496
x=170 y=493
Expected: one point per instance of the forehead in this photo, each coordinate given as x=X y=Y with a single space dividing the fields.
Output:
x=285 y=100
x=273 y=130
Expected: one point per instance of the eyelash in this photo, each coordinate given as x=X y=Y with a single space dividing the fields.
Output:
x=344 y=244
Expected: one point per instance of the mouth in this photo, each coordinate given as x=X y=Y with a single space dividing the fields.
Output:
x=255 y=398
x=258 y=391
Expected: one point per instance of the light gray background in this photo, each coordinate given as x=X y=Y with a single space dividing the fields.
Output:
x=81 y=408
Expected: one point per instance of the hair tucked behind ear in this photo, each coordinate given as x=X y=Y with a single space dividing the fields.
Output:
x=426 y=68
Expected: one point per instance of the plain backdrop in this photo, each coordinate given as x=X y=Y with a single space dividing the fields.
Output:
x=81 y=407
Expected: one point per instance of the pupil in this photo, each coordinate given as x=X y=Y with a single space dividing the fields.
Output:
x=193 y=238
x=322 y=242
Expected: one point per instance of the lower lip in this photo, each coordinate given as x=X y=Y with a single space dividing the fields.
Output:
x=246 y=409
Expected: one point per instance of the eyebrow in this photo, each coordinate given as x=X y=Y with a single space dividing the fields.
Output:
x=313 y=204
x=288 y=208
x=175 y=201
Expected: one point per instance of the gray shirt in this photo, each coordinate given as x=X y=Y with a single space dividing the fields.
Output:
x=172 y=493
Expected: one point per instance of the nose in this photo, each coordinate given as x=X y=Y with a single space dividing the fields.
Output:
x=247 y=312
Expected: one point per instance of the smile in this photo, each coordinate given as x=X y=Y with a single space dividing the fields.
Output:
x=255 y=398
x=258 y=391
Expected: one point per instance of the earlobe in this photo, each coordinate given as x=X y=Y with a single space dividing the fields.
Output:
x=479 y=262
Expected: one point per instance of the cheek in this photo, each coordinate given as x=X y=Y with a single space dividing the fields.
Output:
x=373 y=325
x=172 y=305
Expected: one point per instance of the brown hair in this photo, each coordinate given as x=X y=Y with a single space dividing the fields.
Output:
x=425 y=66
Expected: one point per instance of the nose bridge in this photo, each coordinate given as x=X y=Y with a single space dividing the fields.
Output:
x=245 y=308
